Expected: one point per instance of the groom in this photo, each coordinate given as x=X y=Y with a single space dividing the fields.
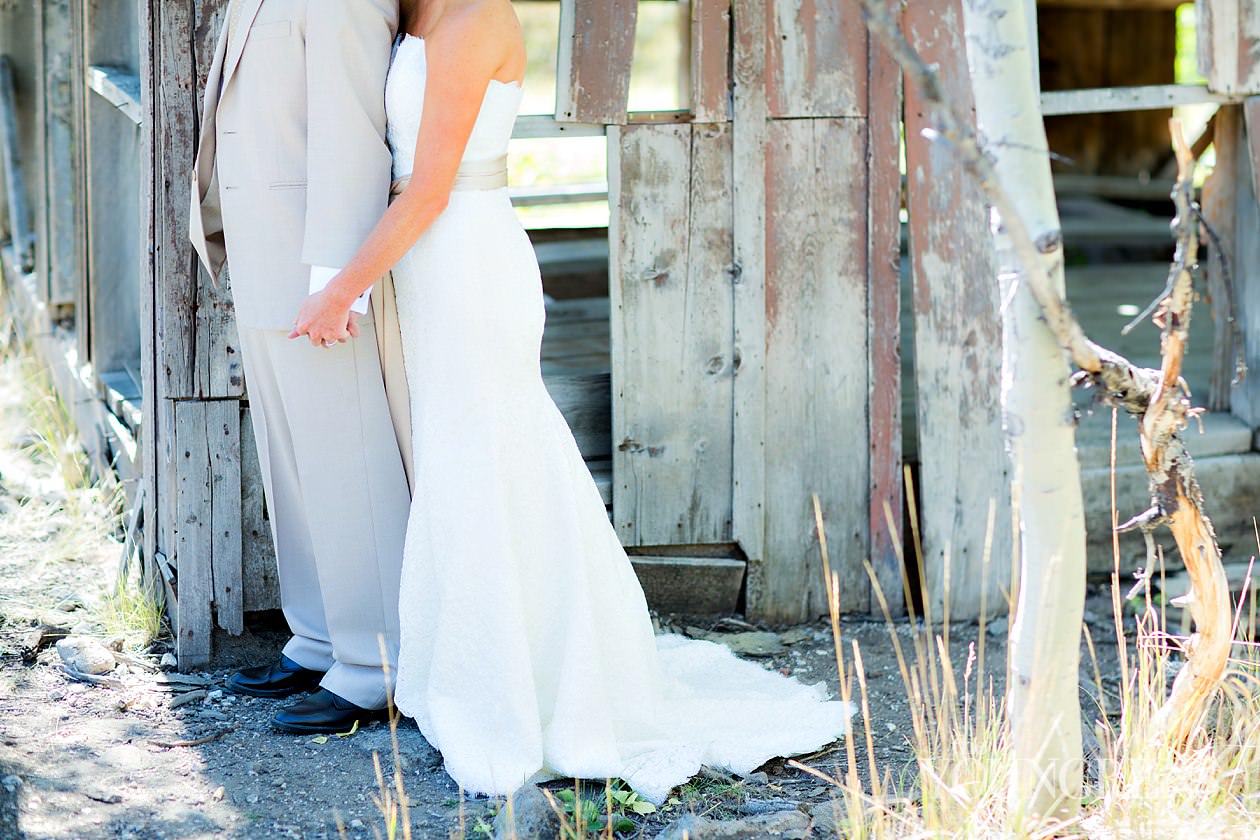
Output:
x=292 y=173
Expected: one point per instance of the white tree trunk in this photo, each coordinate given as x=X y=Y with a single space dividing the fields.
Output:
x=1042 y=697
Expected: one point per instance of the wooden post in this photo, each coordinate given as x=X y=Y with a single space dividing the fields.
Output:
x=957 y=342
x=593 y=63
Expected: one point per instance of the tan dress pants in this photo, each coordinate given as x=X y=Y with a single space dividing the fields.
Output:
x=333 y=472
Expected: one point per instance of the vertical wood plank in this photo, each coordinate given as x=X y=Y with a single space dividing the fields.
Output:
x=149 y=384
x=670 y=284
x=194 y=533
x=64 y=211
x=1219 y=200
x=884 y=322
x=196 y=343
x=1245 y=263
x=710 y=60
x=749 y=420
x=816 y=363
x=79 y=94
x=816 y=60
x=957 y=341
x=1229 y=45
x=223 y=433
x=593 y=62
x=259 y=574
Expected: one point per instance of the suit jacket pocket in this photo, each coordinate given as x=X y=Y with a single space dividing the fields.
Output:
x=271 y=29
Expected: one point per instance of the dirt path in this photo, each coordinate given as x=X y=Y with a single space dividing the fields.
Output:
x=163 y=756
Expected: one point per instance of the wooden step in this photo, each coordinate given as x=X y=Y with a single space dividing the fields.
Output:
x=1231 y=493
x=692 y=585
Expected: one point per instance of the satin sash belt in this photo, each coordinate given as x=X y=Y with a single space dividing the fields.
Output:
x=472 y=175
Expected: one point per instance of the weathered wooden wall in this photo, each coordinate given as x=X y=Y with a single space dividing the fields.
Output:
x=755 y=300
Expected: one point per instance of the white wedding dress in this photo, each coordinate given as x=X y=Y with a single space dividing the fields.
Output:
x=527 y=650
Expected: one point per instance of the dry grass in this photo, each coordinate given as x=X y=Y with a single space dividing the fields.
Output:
x=1142 y=787
x=59 y=524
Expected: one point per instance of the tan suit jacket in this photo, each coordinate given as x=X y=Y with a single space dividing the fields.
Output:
x=309 y=187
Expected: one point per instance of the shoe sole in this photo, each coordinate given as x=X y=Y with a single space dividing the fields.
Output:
x=298 y=729
x=268 y=695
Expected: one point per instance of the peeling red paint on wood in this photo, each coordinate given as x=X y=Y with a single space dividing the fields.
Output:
x=884 y=323
x=710 y=60
x=593 y=62
x=816 y=59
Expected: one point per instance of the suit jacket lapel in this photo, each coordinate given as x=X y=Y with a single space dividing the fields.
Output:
x=210 y=105
x=248 y=12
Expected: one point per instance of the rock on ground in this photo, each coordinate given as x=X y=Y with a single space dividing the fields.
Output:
x=86 y=655
x=531 y=817
x=788 y=825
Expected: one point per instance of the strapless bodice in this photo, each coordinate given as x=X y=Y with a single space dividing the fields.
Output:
x=404 y=105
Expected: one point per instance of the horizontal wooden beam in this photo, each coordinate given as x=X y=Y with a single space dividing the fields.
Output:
x=558 y=194
x=119 y=88
x=541 y=126
x=1120 y=5
x=1143 y=98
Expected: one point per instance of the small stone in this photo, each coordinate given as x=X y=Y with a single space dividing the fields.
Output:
x=168 y=660
x=765 y=806
x=755 y=643
x=85 y=655
x=827 y=819
x=189 y=697
x=215 y=695
x=219 y=793
x=795 y=636
x=760 y=777
x=787 y=825
x=998 y=629
x=358 y=824
x=530 y=817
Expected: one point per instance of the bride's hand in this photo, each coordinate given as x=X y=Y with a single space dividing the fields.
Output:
x=326 y=321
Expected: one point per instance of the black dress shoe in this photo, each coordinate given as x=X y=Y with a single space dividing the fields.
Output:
x=280 y=680
x=323 y=713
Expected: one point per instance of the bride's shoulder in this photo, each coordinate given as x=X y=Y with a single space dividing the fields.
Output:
x=481 y=17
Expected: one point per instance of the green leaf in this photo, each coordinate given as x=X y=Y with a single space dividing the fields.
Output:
x=642 y=807
x=623 y=825
x=566 y=796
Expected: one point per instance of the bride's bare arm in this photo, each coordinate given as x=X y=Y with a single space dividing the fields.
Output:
x=468 y=48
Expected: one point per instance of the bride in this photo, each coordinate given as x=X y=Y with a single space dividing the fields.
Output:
x=527 y=651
